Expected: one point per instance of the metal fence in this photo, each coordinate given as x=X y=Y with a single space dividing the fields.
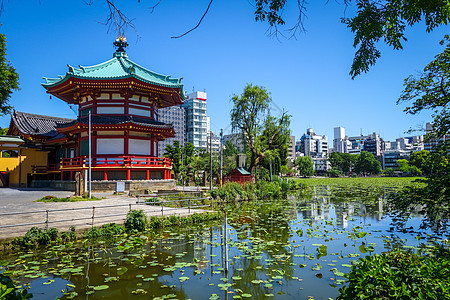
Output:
x=166 y=205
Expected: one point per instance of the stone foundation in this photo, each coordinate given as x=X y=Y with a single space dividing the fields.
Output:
x=108 y=185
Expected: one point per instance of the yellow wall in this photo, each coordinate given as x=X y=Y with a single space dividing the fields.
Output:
x=28 y=158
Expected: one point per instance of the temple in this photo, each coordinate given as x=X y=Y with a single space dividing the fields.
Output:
x=121 y=99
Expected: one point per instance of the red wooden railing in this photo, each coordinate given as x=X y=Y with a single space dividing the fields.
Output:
x=116 y=161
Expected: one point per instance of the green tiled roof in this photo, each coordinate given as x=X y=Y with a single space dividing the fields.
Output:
x=10 y=139
x=118 y=67
x=243 y=171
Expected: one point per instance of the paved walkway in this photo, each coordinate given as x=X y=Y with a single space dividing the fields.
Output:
x=111 y=209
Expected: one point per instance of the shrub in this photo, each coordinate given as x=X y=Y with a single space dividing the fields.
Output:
x=9 y=292
x=334 y=172
x=136 y=220
x=399 y=275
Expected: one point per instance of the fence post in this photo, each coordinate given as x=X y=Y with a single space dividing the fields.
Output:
x=130 y=207
x=162 y=208
x=46 y=220
x=93 y=214
x=189 y=206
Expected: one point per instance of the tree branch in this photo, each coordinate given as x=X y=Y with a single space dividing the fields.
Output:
x=198 y=24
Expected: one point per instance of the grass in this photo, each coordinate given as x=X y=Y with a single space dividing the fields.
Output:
x=67 y=199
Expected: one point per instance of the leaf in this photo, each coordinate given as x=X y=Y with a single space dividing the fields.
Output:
x=362 y=249
x=362 y=234
x=319 y=275
x=246 y=295
x=183 y=279
x=101 y=287
x=121 y=270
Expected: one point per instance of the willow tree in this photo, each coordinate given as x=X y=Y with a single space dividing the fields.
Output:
x=259 y=130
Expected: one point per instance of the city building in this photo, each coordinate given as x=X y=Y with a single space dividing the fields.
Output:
x=291 y=151
x=313 y=145
x=432 y=144
x=176 y=116
x=390 y=158
x=121 y=98
x=340 y=142
x=236 y=140
x=321 y=165
x=196 y=119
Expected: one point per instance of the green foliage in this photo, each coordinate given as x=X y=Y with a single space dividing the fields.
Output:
x=35 y=237
x=374 y=22
x=9 y=79
x=386 y=20
x=252 y=191
x=399 y=275
x=389 y=172
x=230 y=149
x=334 y=172
x=403 y=165
x=159 y=222
x=305 y=165
x=135 y=220
x=4 y=131
x=105 y=231
x=174 y=153
x=9 y=292
x=50 y=198
x=261 y=132
x=431 y=90
x=366 y=163
x=343 y=161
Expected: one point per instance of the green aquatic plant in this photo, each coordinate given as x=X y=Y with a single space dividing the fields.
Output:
x=135 y=220
x=399 y=274
x=9 y=292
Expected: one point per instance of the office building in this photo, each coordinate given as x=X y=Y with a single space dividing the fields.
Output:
x=175 y=115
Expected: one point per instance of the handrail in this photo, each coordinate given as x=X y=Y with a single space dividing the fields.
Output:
x=117 y=161
x=94 y=208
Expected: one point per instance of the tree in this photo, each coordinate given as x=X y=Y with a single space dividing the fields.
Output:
x=188 y=153
x=4 y=131
x=420 y=160
x=261 y=132
x=343 y=161
x=366 y=163
x=403 y=165
x=430 y=90
x=174 y=153
x=305 y=165
x=230 y=149
x=9 y=79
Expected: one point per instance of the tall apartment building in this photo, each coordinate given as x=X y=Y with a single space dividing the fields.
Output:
x=340 y=142
x=313 y=145
x=196 y=119
x=175 y=115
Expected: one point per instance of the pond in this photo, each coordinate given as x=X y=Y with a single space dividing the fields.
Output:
x=297 y=248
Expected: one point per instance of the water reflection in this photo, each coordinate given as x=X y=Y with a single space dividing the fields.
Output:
x=291 y=249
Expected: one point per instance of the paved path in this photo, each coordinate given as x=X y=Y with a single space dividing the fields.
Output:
x=22 y=200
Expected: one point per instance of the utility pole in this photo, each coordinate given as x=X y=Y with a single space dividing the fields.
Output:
x=210 y=161
x=90 y=154
x=221 y=150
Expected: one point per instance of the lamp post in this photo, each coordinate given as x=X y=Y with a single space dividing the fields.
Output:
x=90 y=155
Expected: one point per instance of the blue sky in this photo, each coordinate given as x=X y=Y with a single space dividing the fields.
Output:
x=307 y=76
